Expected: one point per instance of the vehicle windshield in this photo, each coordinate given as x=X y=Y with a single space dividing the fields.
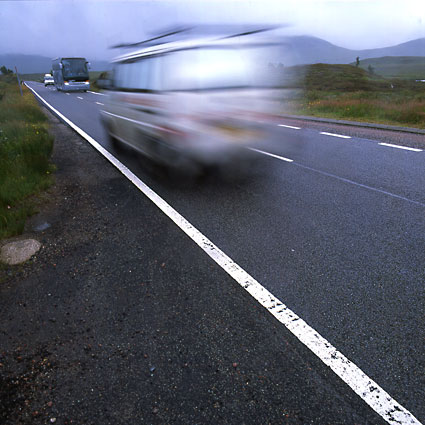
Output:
x=213 y=68
x=204 y=68
x=75 y=68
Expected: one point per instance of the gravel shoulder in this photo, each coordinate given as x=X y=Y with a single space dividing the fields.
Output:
x=121 y=319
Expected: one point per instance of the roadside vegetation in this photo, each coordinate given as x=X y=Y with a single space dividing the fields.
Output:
x=95 y=77
x=25 y=148
x=351 y=93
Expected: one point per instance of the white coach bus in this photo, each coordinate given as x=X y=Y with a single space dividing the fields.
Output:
x=71 y=74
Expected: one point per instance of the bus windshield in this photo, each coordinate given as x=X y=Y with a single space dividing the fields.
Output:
x=75 y=69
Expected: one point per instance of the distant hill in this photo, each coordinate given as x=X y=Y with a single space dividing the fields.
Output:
x=299 y=50
x=27 y=64
x=294 y=50
x=397 y=66
x=410 y=48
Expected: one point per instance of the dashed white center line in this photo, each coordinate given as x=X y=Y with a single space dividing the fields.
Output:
x=93 y=92
x=67 y=94
x=340 y=178
x=98 y=103
x=79 y=97
x=401 y=147
x=335 y=135
x=282 y=158
x=289 y=126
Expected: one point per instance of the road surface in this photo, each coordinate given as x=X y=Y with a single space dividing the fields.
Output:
x=333 y=226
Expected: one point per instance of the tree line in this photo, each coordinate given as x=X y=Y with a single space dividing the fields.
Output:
x=5 y=71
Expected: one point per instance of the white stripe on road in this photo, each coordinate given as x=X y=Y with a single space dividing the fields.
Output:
x=289 y=126
x=400 y=147
x=93 y=92
x=354 y=377
x=67 y=94
x=282 y=158
x=335 y=135
x=79 y=97
x=139 y=122
x=98 y=103
x=341 y=178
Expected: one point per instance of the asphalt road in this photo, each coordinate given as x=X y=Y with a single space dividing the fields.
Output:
x=338 y=235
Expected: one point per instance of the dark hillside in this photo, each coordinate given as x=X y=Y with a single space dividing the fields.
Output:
x=412 y=67
x=324 y=77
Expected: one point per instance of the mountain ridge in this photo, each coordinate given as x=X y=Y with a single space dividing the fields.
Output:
x=28 y=64
x=302 y=50
x=295 y=50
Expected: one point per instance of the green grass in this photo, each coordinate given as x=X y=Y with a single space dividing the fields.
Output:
x=94 y=76
x=350 y=93
x=407 y=67
x=32 y=77
x=25 y=148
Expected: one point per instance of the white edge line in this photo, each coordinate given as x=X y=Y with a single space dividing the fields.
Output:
x=400 y=147
x=98 y=103
x=335 y=135
x=368 y=390
x=272 y=155
x=289 y=126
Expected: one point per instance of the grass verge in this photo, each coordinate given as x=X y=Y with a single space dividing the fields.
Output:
x=350 y=93
x=25 y=148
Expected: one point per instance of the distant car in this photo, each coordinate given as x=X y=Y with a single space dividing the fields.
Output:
x=48 y=79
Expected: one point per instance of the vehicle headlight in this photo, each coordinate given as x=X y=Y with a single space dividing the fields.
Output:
x=66 y=83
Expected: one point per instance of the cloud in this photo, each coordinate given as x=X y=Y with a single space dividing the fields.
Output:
x=87 y=28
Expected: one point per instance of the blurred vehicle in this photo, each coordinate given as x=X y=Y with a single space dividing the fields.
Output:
x=48 y=79
x=194 y=100
x=71 y=74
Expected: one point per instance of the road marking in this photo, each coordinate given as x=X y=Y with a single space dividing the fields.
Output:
x=98 y=103
x=335 y=135
x=361 y=185
x=282 y=158
x=340 y=178
x=93 y=92
x=400 y=147
x=79 y=97
x=140 y=122
x=289 y=126
x=368 y=390
x=67 y=94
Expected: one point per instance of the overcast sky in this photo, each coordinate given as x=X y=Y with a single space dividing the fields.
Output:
x=87 y=27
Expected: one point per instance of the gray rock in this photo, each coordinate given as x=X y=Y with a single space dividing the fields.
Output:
x=19 y=251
